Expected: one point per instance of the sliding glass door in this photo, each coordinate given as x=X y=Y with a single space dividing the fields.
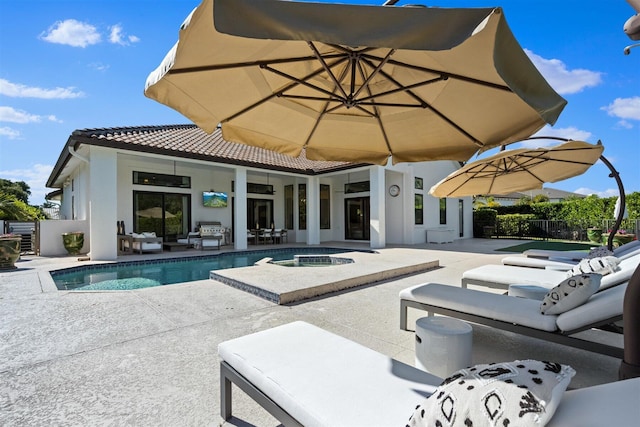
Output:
x=356 y=212
x=166 y=214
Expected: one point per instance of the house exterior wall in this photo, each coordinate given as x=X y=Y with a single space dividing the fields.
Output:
x=394 y=216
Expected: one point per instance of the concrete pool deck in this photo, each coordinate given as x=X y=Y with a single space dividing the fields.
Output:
x=149 y=357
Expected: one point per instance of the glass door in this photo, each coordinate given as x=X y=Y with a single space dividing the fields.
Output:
x=356 y=213
x=259 y=213
x=166 y=214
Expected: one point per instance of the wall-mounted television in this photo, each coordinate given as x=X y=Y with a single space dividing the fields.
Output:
x=214 y=199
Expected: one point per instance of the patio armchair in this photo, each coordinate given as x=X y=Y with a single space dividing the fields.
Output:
x=189 y=239
x=306 y=376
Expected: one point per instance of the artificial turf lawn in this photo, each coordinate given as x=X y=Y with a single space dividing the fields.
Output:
x=548 y=245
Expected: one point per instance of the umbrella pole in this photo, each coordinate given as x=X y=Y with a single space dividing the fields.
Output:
x=614 y=174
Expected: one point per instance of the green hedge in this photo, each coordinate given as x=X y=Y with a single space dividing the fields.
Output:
x=483 y=217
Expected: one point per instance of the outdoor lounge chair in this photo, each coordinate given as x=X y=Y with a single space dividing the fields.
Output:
x=520 y=315
x=577 y=255
x=501 y=276
x=563 y=263
x=306 y=376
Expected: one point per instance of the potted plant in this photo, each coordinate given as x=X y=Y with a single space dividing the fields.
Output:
x=621 y=237
x=594 y=234
x=73 y=241
x=9 y=250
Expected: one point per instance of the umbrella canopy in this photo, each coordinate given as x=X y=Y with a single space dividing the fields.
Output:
x=518 y=170
x=354 y=83
x=155 y=212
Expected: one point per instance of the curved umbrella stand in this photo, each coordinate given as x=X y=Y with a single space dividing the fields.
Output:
x=630 y=365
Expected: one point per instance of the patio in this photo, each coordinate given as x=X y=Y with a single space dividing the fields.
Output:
x=149 y=357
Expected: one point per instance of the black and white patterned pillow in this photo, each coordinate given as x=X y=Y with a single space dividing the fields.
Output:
x=602 y=265
x=520 y=393
x=570 y=293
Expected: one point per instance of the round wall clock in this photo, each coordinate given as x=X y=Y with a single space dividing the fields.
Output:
x=394 y=190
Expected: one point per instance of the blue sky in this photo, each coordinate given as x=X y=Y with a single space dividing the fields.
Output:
x=67 y=65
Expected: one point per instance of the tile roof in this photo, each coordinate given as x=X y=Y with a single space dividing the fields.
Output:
x=189 y=141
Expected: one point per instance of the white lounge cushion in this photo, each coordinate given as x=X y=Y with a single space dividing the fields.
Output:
x=611 y=404
x=603 y=305
x=570 y=293
x=303 y=369
x=520 y=393
x=521 y=311
x=504 y=275
x=523 y=261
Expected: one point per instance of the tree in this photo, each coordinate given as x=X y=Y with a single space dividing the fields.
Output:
x=13 y=209
x=19 y=190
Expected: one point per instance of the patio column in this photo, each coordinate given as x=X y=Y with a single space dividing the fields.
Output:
x=377 y=206
x=313 y=210
x=240 y=205
x=103 y=204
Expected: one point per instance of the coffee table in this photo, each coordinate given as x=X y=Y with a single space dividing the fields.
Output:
x=174 y=246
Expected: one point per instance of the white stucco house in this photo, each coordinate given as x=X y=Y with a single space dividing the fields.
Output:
x=162 y=178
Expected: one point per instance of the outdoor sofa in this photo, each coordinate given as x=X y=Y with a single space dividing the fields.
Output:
x=306 y=376
x=144 y=242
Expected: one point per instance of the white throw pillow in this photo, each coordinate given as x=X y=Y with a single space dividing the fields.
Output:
x=598 y=252
x=570 y=293
x=519 y=393
x=603 y=265
x=149 y=234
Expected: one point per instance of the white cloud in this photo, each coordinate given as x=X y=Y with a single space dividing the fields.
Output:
x=99 y=66
x=9 y=114
x=36 y=177
x=609 y=192
x=9 y=132
x=17 y=90
x=624 y=108
x=566 y=133
x=73 y=33
x=117 y=36
x=563 y=80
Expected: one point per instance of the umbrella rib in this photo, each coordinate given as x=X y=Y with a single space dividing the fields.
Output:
x=447 y=74
x=249 y=64
x=376 y=111
x=294 y=83
x=435 y=110
x=373 y=73
x=328 y=70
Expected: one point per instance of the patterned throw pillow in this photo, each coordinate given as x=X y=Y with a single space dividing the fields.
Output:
x=603 y=265
x=599 y=252
x=570 y=293
x=519 y=393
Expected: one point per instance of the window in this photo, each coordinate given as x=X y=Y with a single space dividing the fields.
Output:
x=288 y=207
x=356 y=187
x=161 y=180
x=302 y=206
x=259 y=188
x=325 y=207
x=443 y=210
x=419 y=208
x=418 y=183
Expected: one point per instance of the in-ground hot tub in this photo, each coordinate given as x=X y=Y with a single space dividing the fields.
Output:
x=313 y=261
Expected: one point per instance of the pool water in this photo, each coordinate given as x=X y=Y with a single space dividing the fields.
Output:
x=144 y=274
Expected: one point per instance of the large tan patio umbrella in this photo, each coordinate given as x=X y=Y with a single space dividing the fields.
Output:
x=519 y=170
x=354 y=83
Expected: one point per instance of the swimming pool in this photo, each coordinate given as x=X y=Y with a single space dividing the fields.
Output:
x=144 y=274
